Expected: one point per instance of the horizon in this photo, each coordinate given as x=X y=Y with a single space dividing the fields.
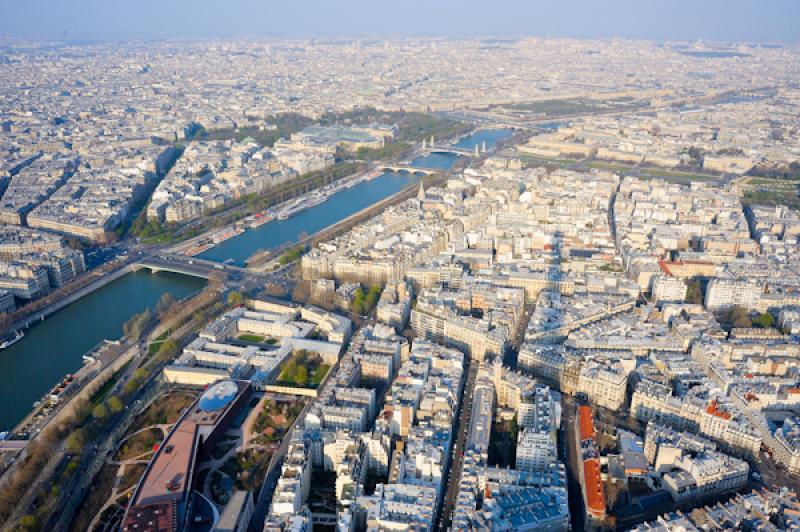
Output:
x=736 y=21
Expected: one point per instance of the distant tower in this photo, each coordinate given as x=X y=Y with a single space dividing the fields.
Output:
x=483 y=147
x=424 y=143
x=476 y=150
x=421 y=193
x=432 y=141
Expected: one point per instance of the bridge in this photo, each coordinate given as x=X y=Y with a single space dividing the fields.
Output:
x=462 y=152
x=190 y=266
x=408 y=169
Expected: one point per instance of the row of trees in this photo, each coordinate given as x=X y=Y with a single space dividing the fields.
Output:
x=412 y=126
x=134 y=327
x=738 y=317
x=85 y=424
x=392 y=150
x=292 y=254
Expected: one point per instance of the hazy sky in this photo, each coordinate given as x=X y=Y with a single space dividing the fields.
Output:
x=757 y=20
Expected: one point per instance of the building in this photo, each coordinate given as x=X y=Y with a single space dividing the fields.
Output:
x=394 y=306
x=722 y=294
x=594 y=497
x=691 y=467
x=237 y=513
x=163 y=498
x=535 y=450
x=667 y=289
x=605 y=385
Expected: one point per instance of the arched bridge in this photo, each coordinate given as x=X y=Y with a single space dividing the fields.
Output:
x=462 y=152
x=401 y=168
x=191 y=266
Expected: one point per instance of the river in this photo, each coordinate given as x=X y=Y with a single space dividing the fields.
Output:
x=279 y=232
x=53 y=348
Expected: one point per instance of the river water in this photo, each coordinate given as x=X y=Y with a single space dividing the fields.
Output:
x=54 y=347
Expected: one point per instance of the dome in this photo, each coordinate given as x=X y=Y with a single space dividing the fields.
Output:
x=218 y=397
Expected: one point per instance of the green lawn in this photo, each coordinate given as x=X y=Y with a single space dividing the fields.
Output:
x=318 y=375
x=303 y=370
x=693 y=176
x=251 y=338
x=545 y=160
x=609 y=166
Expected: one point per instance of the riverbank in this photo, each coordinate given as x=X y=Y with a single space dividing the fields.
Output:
x=200 y=245
x=54 y=347
x=262 y=261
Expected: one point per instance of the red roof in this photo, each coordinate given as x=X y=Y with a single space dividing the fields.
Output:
x=714 y=410
x=586 y=423
x=595 y=494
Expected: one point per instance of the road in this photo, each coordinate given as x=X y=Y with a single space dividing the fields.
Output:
x=461 y=428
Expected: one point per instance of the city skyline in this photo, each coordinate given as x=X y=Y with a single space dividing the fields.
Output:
x=258 y=275
x=713 y=20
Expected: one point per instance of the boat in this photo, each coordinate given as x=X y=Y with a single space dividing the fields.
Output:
x=11 y=339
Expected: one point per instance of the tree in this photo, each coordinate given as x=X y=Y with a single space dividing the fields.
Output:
x=76 y=441
x=739 y=318
x=165 y=303
x=765 y=320
x=694 y=292
x=235 y=298
x=133 y=327
x=301 y=376
x=99 y=412
x=138 y=378
x=28 y=522
x=115 y=404
x=168 y=349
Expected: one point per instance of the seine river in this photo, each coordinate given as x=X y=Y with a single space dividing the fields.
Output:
x=54 y=347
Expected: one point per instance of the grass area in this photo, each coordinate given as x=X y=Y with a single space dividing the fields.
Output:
x=166 y=410
x=610 y=268
x=545 y=160
x=275 y=419
x=776 y=183
x=133 y=472
x=609 y=166
x=318 y=375
x=247 y=468
x=99 y=492
x=652 y=173
x=302 y=369
x=561 y=107
x=772 y=197
x=139 y=444
x=695 y=176
x=152 y=349
x=251 y=338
